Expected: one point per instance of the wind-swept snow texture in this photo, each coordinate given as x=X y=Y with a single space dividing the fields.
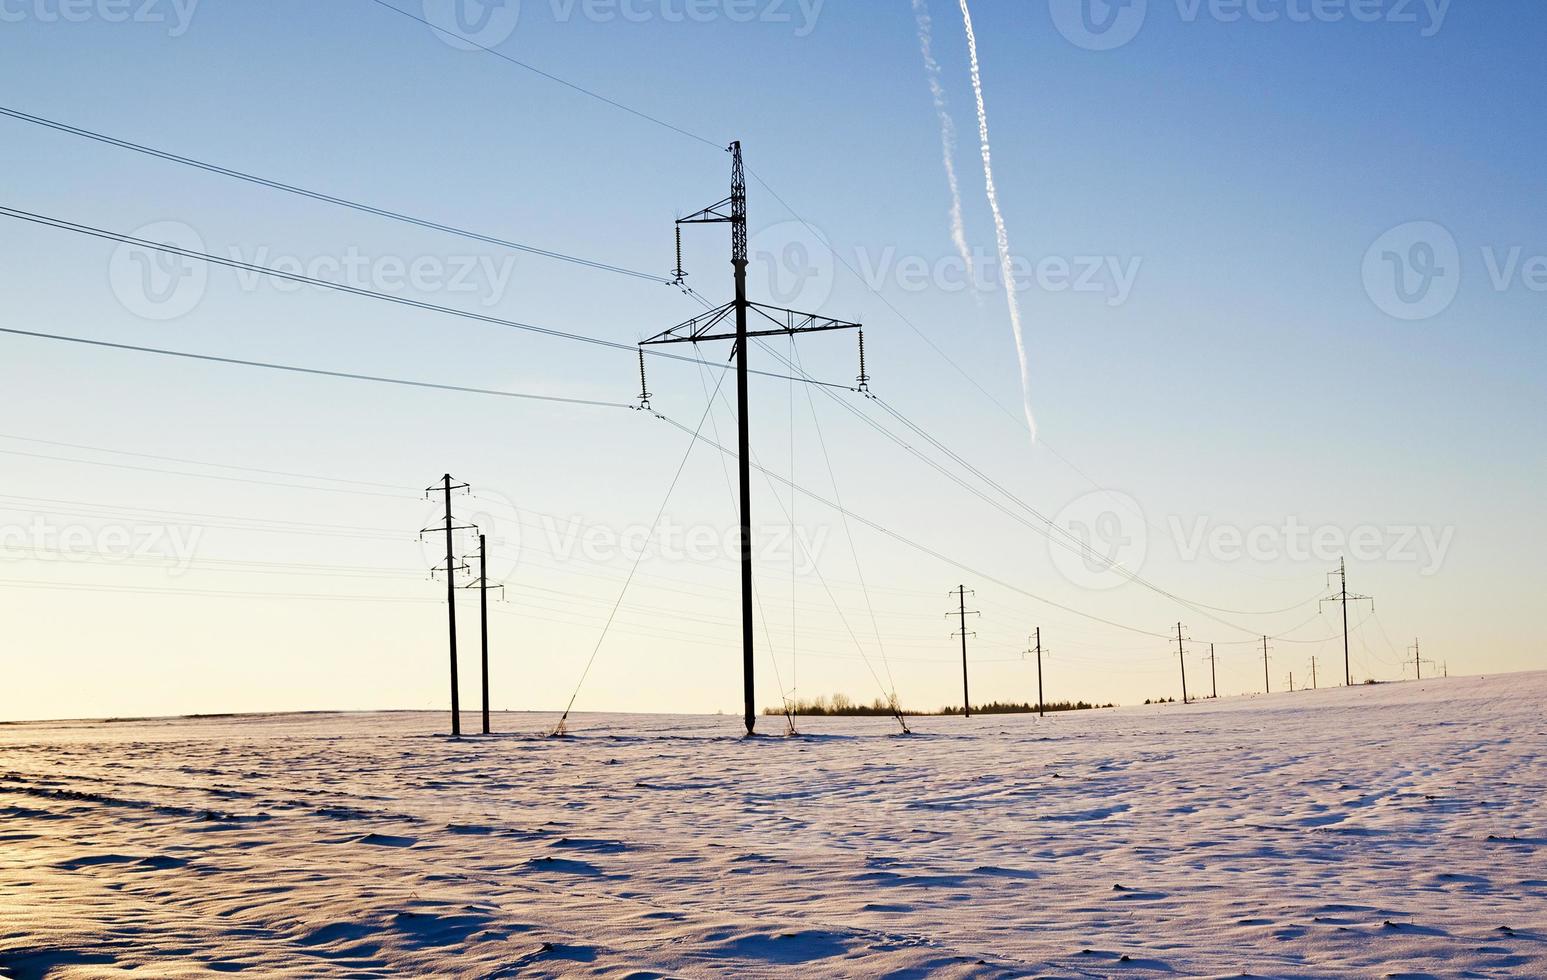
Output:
x=1394 y=831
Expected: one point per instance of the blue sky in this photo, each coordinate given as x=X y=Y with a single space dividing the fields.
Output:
x=1249 y=378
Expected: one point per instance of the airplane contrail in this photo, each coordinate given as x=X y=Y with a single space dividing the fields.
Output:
x=1001 y=237
x=947 y=129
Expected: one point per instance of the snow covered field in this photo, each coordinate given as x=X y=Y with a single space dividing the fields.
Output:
x=1388 y=831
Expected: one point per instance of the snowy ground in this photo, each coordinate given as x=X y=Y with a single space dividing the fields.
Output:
x=1390 y=831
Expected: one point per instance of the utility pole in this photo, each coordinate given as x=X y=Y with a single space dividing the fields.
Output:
x=1419 y=662
x=733 y=211
x=1343 y=597
x=1181 y=656
x=1213 y=674
x=1041 y=704
x=481 y=583
x=452 y=567
x=1313 y=673
x=1267 y=687
x=483 y=621
x=961 y=592
x=1291 y=682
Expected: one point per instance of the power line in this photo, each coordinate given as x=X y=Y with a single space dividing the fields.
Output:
x=914 y=544
x=931 y=552
x=236 y=567
x=1068 y=538
x=1046 y=526
x=888 y=689
x=848 y=532
x=718 y=145
x=1198 y=607
x=214 y=593
x=200 y=462
x=671 y=488
x=301 y=527
x=201 y=476
x=102 y=233
x=1019 y=422
x=326 y=198
x=295 y=369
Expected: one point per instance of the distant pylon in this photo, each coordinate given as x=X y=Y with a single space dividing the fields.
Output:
x=961 y=592
x=1267 y=686
x=1181 y=656
x=1342 y=596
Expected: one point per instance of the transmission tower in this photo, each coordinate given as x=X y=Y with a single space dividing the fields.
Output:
x=1344 y=597
x=1041 y=703
x=1181 y=656
x=961 y=592
x=1267 y=686
x=1418 y=662
x=712 y=325
x=452 y=566
x=481 y=583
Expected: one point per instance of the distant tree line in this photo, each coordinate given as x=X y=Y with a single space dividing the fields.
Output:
x=843 y=705
x=1012 y=708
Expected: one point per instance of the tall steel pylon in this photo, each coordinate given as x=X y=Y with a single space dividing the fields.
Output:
x=709 y=326
x=1343 y=597
x=446 y=488
x=961 y=592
